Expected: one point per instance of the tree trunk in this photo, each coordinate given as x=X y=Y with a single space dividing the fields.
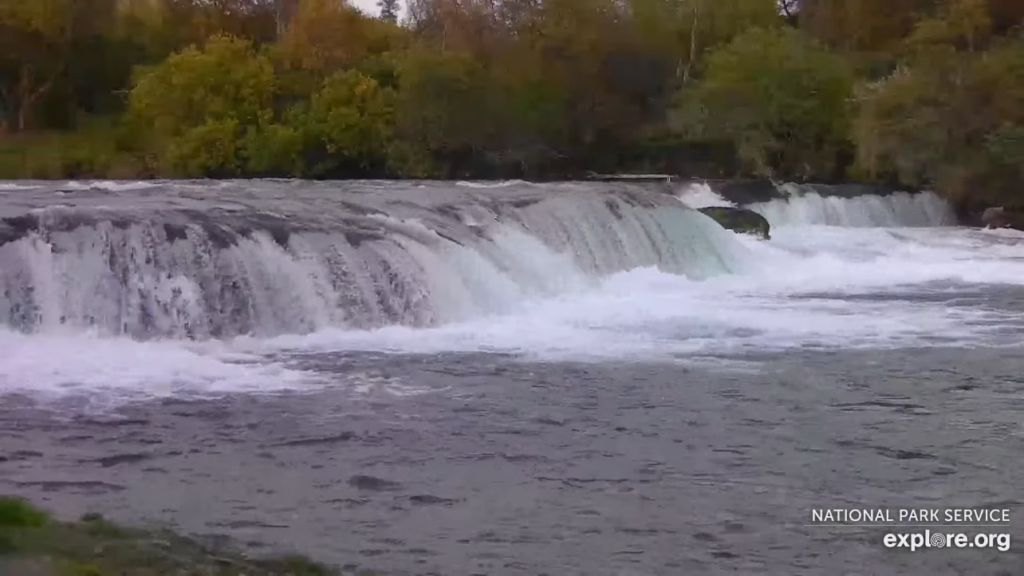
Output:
x=5 y=112
x=27 y=95
x=693 y=41
x=24 y=97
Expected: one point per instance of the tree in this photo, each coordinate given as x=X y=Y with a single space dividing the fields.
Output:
x=325 y=36
x=442 y=106
x=862 y=26
x=35 y=36
x=962 y=25
x=196 y=105
x=346 y=128
x=388 y=10
x=197 y=20
x=779 y=97
x=951 y=116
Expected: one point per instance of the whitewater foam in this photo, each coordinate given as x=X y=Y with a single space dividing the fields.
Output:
x=114 y=370
x=700 y=195
x=559 y=281
x=262 y=270
x=793 y=300
x=804 y=205
x=899 y=209
x=488 y=185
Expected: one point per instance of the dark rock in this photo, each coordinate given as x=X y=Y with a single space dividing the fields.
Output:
x=743 y=192
x=364 y=482
x=853 y=190
x=739 y=220
x=755 y=191
x=430 y=500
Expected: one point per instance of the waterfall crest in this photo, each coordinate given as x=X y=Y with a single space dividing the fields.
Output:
x=850 y=206
x=199 y=260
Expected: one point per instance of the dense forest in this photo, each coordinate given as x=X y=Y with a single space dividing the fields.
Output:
x=920 y=93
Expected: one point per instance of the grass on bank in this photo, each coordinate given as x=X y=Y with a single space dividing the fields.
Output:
x=97 y=149
x=32 y=543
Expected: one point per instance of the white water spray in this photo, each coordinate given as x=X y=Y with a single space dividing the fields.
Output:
x=898 y=209
x=561 y=275
x=151 y=275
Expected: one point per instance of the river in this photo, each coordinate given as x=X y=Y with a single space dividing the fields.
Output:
x=510 y=378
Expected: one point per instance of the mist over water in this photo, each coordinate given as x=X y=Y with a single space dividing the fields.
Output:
x=194 y=288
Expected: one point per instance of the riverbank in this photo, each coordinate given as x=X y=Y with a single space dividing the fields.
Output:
x=95 y=151
x=33 y=543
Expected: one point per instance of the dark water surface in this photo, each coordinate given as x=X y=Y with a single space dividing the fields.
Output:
x=484 y=464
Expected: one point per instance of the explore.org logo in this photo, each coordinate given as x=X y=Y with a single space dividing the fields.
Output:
x=925 y=528
x=928 y=539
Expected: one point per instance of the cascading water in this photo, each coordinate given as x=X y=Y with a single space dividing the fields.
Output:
x=532 y=352
x=805 y=205
x=152 y=288
x=198 y=261
x=808 y=205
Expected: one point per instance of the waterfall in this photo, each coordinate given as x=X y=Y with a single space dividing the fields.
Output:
x=199 y=260
x=898 y=209
x=850 y=206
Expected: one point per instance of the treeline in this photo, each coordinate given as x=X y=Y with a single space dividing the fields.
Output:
x=915 y=92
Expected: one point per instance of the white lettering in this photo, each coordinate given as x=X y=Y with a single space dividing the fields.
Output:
x=928 y=539
x=993 y=516
x=852 y=515
x=922 y=515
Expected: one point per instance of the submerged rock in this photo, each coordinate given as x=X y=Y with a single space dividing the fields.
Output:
x=739 y=220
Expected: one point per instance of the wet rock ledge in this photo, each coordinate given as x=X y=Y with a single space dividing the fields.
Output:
x=32 y=543
x=740 y=220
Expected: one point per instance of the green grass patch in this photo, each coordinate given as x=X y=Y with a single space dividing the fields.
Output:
x=99 y=148
x=34 y=544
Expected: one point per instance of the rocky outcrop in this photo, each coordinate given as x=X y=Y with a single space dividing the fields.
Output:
x=739 y=220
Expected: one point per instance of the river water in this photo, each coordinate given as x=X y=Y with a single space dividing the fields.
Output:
x=548 y=382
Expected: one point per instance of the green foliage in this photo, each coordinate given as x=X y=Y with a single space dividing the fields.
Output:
x=97 y=525
x=914 y=92
x=274 y=150
x=225 y=80
x=952 y=117
x=443 y=96
x=33 y=543
x=780 y=98
x=18 y=513
x=962 y=24
x=98 y=149
x=349 y=120
x=199 y=103
x=210 y=149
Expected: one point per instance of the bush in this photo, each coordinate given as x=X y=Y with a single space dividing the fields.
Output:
x=779 y=97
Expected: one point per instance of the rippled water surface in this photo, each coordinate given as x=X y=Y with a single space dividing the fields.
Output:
x=473 y=463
